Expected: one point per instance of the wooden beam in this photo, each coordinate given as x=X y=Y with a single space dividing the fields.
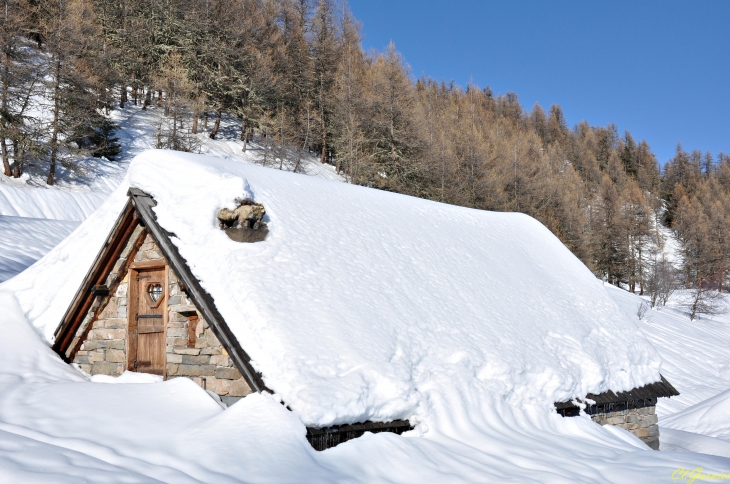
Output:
x=105 y=259
x=148 y=264
x=100 y=290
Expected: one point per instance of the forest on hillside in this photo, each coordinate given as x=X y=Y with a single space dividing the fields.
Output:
x=295 y=75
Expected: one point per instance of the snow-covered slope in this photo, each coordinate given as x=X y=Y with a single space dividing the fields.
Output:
x=56 y=426
x=696 y=361
x=476 y=420
x=361 y=303
x=48 y=203
x=25 y=240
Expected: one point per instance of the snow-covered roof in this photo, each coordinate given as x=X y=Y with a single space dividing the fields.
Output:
x=362 y=304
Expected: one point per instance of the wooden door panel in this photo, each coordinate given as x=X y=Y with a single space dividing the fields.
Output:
x=147 y=324
x=151 y=353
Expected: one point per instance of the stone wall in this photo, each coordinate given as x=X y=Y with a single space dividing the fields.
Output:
x=103 y=351
x=192 y=349
x=641 y=422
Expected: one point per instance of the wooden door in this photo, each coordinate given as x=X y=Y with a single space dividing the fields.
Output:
x=147 y=320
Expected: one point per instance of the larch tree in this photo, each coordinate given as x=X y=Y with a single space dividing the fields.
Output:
x=70 y=30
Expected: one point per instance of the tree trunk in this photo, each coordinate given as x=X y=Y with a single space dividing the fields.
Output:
x=217 y=125
x=244 y=134
x=54 y=135
x=6 y=163
x=18 y=159
x=324 y=148
x=194 y=129
x=134 y=88
x=123 y=96
x=147 y=99
x=159 y=97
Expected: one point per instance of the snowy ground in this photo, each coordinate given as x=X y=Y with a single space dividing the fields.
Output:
x=57 y=426
x=697 y=363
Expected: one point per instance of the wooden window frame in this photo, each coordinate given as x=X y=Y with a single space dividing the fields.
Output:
x=133 y=305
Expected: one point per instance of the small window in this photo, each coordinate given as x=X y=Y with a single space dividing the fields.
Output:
x=155 y=292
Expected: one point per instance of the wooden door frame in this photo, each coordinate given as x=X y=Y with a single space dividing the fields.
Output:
x=133 y=306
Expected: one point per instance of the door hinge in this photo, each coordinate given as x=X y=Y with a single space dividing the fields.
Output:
x=137 y=317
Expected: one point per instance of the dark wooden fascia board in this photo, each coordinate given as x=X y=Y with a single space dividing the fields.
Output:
x=143 y=204
x=103 y=263
x=651 y=391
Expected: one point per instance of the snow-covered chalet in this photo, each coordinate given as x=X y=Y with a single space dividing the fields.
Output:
x=348 y=303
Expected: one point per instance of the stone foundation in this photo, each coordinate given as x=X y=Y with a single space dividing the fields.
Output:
x=642 y=422
x=192 y=349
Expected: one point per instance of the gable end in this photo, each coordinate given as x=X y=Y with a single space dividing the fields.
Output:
x=113 y=261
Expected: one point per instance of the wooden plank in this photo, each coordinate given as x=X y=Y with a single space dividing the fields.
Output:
x=192 y=326
x=107 y=256
x=132 y=308
x=148 y=264
x=165 y=317
x=100 y=290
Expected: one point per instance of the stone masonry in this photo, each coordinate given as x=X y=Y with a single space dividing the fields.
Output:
x=642 y=422
x=192 y=349
x=103 y=351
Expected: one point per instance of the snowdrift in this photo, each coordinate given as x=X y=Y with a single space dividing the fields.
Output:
x=48 y=203
x=475 y=322
x=361 y=304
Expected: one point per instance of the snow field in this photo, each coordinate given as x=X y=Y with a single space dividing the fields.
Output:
x=697 y=363
x=484 y=419
x=48 y=203
x=441 y=291
x=25 y=240
x=483 y=407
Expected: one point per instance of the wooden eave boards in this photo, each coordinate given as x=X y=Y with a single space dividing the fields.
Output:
x=651 y=391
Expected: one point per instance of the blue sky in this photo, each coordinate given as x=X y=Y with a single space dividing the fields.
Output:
x=660 y=69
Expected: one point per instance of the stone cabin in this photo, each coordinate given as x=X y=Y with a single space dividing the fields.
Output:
x=141 y=309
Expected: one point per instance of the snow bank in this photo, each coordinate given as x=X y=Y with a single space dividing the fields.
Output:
x=697 y=363
x=25 y=240
x=710 y=417
x=55 y=426
x=48 y=203
x=362 y=304
x=476 y=423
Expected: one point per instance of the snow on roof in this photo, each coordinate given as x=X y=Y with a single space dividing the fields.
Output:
x=360 y=304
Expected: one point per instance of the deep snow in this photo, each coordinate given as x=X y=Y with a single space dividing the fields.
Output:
x=57 y=426
x=25 y=240
x=360 y=303
x=51 y=417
